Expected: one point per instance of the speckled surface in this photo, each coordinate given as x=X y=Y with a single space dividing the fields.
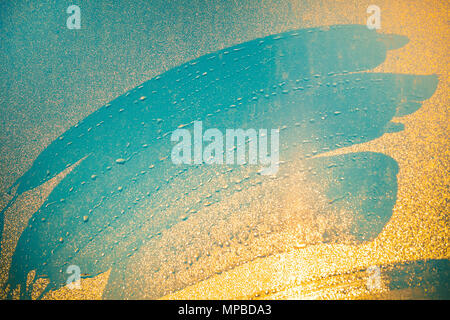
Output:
x=418 y=229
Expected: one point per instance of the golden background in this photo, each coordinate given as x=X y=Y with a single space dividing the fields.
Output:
x=419 y=228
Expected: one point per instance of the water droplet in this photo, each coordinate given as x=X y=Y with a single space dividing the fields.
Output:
x=120 y=161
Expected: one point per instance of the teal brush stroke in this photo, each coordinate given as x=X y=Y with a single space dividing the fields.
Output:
x=431 y=277
x=312 y=81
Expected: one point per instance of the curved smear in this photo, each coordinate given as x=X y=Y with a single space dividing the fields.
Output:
x=124 y=205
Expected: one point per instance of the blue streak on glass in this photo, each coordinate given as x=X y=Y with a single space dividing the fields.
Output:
x=310 y=80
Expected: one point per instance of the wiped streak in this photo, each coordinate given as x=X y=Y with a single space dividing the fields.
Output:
x=27 y=204
x=304 y=82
